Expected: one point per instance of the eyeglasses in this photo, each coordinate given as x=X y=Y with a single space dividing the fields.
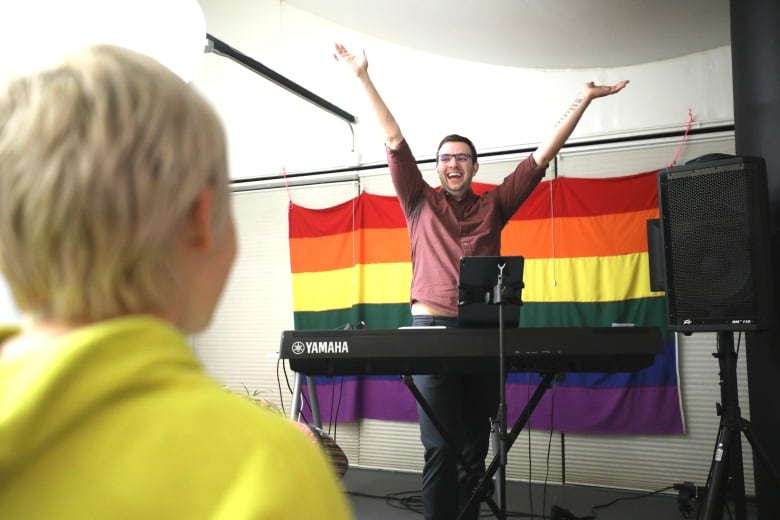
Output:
x=460 y=157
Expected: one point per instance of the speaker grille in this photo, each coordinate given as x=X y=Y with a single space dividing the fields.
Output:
x=715 y=226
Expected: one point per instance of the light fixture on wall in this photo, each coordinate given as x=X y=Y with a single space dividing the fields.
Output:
x=37 y=33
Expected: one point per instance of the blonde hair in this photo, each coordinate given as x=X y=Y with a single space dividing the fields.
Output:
x=101 y=159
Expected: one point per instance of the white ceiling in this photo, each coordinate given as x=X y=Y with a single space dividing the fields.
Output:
x=543 y=34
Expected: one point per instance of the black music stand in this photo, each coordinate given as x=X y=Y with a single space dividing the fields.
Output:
x=489 y=295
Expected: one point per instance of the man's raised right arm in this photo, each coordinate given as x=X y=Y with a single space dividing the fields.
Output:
x=358 y=65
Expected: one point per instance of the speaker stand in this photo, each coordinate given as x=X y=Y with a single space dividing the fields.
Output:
x=726 y=478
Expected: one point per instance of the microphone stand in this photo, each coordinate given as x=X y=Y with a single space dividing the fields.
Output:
x=498 y=296
x=499 y=423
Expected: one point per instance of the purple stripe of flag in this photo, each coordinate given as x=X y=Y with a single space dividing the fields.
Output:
x=390 y=400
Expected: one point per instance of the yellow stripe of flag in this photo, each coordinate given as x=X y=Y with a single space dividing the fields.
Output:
x=587 y=279
x=582 y=279
x=339 y=289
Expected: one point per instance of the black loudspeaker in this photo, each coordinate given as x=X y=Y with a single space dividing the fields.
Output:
x=716 y=238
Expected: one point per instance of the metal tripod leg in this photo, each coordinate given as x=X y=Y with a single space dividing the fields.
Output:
x=726 y=462
x=295 y=405
x=496 y=434
x=726 y=472
x=524 y=417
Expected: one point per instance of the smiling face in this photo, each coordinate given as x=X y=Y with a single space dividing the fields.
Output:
x=456 y=165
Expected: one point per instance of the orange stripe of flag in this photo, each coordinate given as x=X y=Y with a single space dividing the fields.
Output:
x=371 y=246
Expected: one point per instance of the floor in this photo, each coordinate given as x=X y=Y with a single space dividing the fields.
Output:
x=387 y=495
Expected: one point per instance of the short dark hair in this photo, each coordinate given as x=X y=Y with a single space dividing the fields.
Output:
x=458 y=139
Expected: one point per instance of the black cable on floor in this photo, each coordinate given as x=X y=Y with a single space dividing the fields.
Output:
x=406 y=500
x=622 y=499
x=412 y=501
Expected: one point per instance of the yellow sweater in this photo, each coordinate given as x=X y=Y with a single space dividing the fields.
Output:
x=118 y=420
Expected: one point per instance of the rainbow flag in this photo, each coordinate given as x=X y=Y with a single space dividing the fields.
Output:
x=586 y=264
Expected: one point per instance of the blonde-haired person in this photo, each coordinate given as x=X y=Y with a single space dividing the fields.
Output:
x=116 y=239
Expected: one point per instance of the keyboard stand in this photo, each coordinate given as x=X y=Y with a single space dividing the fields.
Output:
x=314 y=402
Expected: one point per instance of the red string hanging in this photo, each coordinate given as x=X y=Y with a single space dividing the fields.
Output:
x=684 y=138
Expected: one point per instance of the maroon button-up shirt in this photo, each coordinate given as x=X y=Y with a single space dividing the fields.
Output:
x=442 y=229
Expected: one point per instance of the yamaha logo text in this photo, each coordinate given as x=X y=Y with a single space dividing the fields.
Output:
x=320 y=347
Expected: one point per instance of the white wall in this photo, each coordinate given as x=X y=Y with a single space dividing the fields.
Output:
x=431 y=96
